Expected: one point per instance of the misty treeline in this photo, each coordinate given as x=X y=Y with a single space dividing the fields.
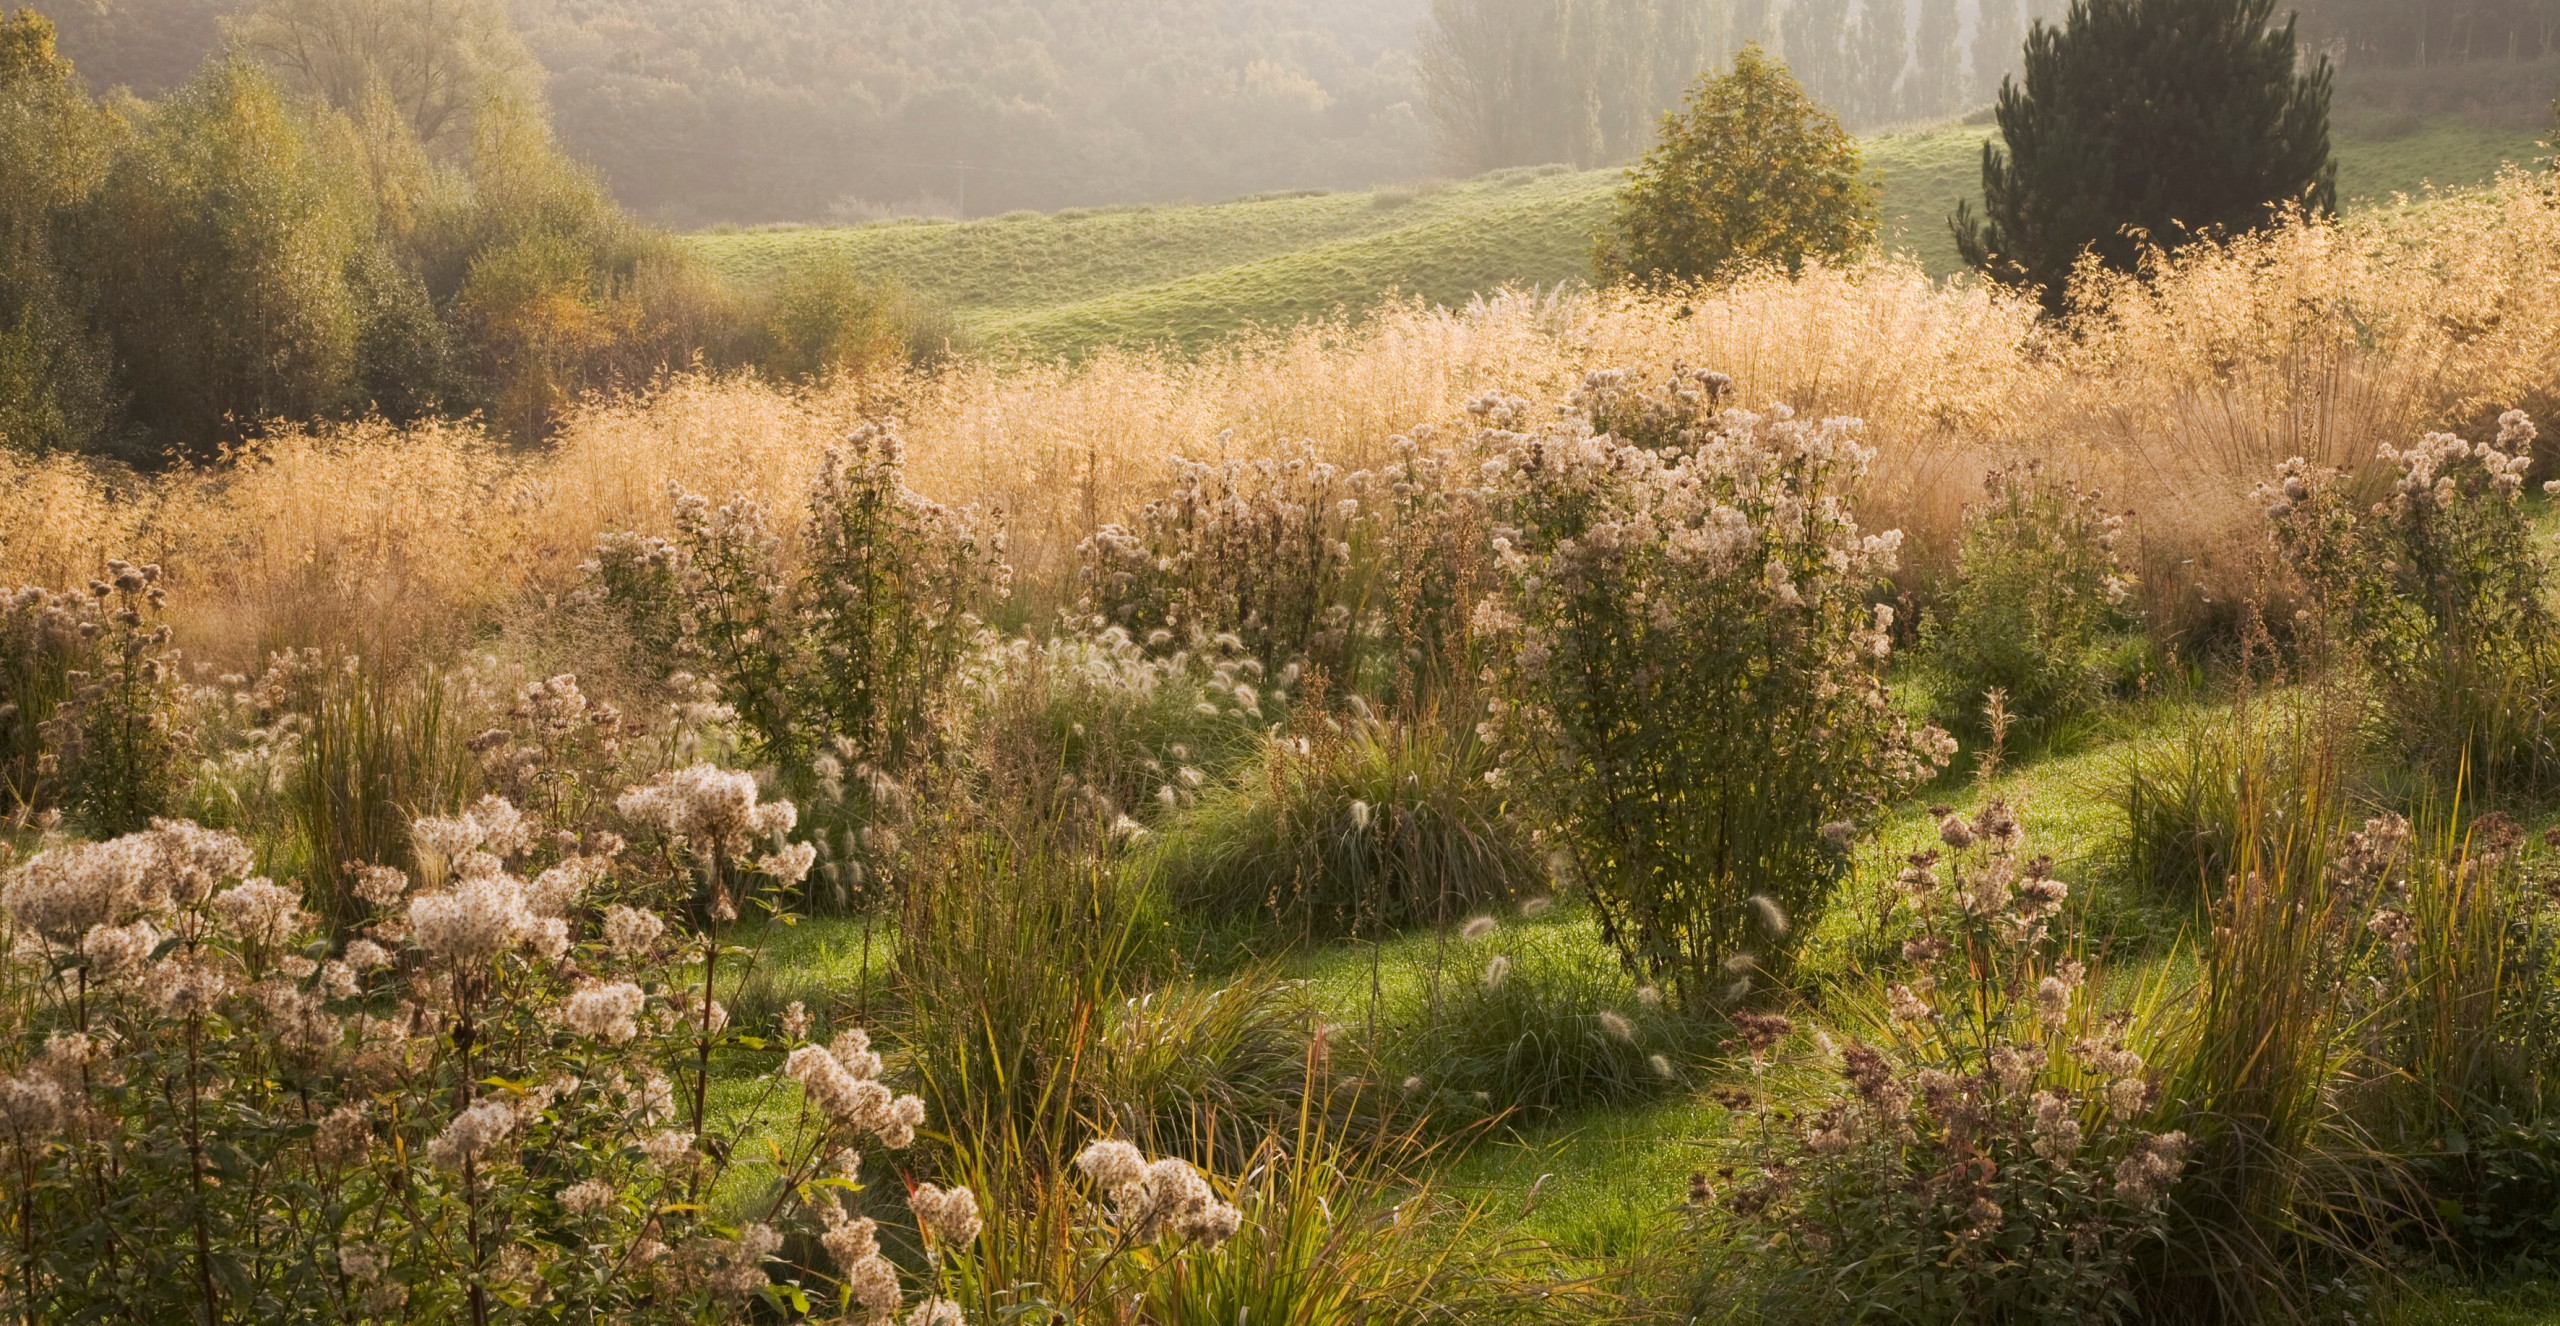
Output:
x=2402 y=33
x=1514 y=82
x=812 y=110
x=357 y=206
x=817 y=110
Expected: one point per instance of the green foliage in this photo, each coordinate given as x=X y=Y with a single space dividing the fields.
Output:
x=828 y=319
x=1531 y=1026
x=1748 y=172
x=373 y=753
x=2037 y=608
x=1382 y=826
x=1008 y=975
x=54 y=150
x=219 y=246
x=372 y=216
x=1202 y=1070
x=2147 y=123
x=2441 y=589
x=1695 y=688
x=2287 y=1175
x=2189 y=798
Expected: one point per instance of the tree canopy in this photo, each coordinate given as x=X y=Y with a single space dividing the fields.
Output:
x=2147 y=122
x=1748 y=171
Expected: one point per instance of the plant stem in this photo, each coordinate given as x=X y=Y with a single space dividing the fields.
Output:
x=195 y=1171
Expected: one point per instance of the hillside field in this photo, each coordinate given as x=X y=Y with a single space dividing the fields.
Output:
x=1037 y=285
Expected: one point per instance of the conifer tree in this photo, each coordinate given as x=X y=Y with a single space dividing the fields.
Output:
x=2147 y=122
x=1750 y=171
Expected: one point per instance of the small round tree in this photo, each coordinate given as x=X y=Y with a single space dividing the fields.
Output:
x=1750 y=171
x=2142 y=123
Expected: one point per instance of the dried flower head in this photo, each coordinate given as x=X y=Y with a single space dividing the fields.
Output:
x=472 y=1133
x=949 y=1214
x=605 y=1011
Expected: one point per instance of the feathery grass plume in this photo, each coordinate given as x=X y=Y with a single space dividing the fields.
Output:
x=1553 y=1028
x=2322 y=338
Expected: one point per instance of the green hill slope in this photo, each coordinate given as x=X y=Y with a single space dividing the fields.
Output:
x=1059 y=283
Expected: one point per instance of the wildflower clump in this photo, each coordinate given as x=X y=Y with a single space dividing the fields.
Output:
x=1694 y=670
x=846 y=653
x=2439 y=585
x=111 y=743
x=2039 y=609
x=485 y=1096
x=1988 y=1158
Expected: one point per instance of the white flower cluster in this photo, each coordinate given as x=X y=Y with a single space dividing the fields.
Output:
x=487 y=911
x=260 y=913
x=2143 y=1177
x=853 y=1243
x=710 y=806
x=62 y=892
x=842 y=1080
x=479 y=919
x=949 y=1214
x=631 y=932
x=486 y=1123
x=1151 y=1200
x=605 y=1011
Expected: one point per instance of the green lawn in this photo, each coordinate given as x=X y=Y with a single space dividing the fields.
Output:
x=1045 y=284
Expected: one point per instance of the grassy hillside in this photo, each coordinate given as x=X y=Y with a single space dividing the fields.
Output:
x=1043 y=284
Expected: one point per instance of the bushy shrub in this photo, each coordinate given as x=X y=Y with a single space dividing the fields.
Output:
x=859 y=641
x=219 y=246
x=2442 y=590
x=2036 y=610
x=1364 y=577
x=116 y=738
x=1989 y=1160
x=829 y=319
x=844 y=664
x=490 y=1103
x=1695 y=674
x=1376 y=827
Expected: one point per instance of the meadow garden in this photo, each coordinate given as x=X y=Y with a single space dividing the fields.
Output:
x=1797 y=790
x=1587 y=807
